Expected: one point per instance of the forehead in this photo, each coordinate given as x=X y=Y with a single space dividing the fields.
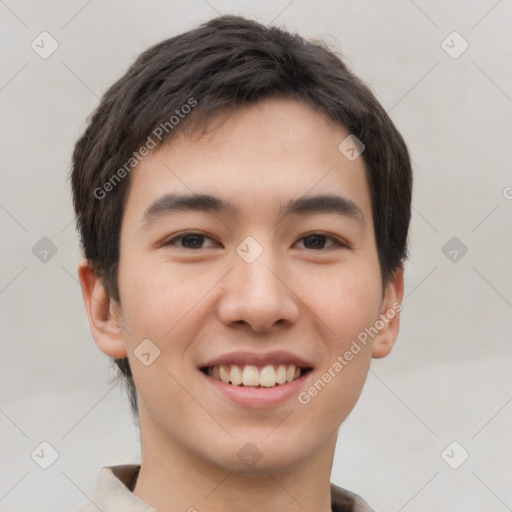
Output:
x=258 y=158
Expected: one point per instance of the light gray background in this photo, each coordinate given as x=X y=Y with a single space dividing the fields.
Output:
x=448 y=378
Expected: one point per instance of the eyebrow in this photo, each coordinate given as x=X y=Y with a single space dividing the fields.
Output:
x=174 y=203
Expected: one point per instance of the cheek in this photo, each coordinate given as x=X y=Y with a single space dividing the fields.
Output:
x=159 y=306
x=345 y=301
x=156 y=298
x=335 y=392
x=342 y=374
x=347 y=305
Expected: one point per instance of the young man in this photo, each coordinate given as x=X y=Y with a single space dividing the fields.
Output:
x=243 y=202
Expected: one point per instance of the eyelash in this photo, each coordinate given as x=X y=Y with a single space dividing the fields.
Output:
x=181 y=236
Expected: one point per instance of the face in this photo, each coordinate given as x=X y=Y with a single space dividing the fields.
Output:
x=276 y=273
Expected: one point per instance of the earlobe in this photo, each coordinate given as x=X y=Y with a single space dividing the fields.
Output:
x=104 y=314
x=389 y=316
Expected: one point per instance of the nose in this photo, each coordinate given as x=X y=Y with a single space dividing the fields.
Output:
x=258 y=295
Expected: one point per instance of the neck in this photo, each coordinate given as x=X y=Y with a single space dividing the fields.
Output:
x=174 y=478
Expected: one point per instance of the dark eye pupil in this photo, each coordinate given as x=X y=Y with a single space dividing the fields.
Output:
x=318 y=241
x=196 y=241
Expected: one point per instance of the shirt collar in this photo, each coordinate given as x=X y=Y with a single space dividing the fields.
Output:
x=114 y=490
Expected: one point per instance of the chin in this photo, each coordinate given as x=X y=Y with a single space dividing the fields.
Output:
x=262 y=453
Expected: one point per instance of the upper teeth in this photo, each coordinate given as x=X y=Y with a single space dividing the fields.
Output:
x=250 y=375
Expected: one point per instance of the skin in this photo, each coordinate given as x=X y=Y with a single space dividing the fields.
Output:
x=197 y=304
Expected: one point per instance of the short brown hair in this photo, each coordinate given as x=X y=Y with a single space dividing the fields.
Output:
x=224 y=63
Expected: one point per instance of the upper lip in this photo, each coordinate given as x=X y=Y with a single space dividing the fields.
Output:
x=253 y=358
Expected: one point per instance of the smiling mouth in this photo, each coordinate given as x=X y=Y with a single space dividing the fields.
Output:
x=267 y=376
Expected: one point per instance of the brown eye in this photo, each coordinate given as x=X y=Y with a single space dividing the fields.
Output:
x=192 y=241
x=318 y=241
x=188 y=241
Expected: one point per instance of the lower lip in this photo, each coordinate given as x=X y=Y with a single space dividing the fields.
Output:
x=257 y=397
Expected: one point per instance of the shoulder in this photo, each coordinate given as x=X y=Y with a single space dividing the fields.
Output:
x=347 y=501
x=114 y=491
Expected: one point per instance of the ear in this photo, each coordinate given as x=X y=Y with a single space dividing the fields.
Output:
x=389 y=315
x=104 y=314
